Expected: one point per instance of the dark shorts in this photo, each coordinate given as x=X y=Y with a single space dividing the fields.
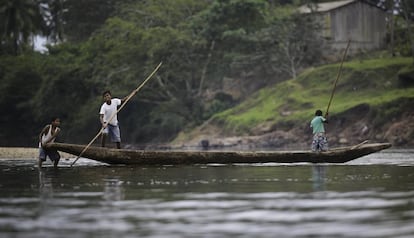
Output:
x=52 y=154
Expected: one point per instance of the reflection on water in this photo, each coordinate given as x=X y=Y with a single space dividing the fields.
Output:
x=318 y=177
x=113 y=190
x=45 y=191
x=370 y=197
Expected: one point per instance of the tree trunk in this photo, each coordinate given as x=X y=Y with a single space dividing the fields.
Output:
x=407 y=21
x=204 y=71
x=392 y=27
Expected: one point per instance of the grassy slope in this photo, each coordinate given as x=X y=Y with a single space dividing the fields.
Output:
x=374 y=82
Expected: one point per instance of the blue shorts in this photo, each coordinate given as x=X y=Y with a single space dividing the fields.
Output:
x=52 y=154
x=113 y=132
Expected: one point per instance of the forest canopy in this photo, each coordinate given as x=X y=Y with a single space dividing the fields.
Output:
x=96 y=45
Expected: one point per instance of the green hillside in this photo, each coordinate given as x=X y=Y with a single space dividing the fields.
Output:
x=384 y=86
x=372 y=82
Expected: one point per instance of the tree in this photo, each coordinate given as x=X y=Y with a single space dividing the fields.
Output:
x=408 y=16
x=228 y=31
x=20 y=78
x=291 y=43
x=404 y=10
x=199 y=42
x=82 y=17
x=21 y=20
x=53 y=14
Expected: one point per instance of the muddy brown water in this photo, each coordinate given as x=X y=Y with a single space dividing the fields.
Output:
x=369 y=197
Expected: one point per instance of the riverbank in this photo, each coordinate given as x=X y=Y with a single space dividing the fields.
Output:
x=24 y=152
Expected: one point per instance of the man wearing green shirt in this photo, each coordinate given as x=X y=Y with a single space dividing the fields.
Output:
x=319 y=142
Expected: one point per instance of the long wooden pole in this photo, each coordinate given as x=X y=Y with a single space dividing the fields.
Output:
x=337 y=77
x=135 y=91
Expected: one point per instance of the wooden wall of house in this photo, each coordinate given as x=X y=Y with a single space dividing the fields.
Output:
x=364 y=24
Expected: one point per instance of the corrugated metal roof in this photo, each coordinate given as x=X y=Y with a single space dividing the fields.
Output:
x=324 y=7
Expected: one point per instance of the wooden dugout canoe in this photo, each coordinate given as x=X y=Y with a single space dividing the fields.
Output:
x=146 y=157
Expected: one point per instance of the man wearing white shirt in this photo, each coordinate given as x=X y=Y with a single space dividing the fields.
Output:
x=109 y=110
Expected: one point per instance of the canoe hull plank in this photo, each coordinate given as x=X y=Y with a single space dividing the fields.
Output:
x=146 y=157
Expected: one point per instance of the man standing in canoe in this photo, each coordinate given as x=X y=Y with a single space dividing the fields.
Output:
x=319 y=142
x=46 y=136
x=108 y=109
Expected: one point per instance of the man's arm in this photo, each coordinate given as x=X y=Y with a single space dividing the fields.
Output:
x=325 y=119
x=43 y=132
x=54 y=135
x=124 y=99
x=101 y=118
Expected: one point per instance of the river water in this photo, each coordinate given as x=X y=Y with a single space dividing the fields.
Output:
x=369 y=197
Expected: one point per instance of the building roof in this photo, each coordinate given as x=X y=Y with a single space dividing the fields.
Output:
x=324 y=7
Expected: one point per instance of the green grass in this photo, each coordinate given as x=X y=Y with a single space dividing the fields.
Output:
x=372 y=82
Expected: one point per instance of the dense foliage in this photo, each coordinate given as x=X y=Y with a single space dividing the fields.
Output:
x=99 y=45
